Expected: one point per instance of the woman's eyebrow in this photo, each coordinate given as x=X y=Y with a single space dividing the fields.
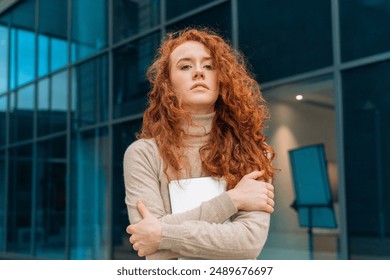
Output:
x=190 y=59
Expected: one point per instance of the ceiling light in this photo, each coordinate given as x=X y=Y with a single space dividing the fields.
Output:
x=299 y=97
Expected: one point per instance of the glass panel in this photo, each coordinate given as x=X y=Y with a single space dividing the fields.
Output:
x=22 y=15
x=3 y=59
x=294 y=124
x=53 y=50
x=3 y=119
x=91 y=85
x=176 y=8
x=287 y=37
x=43 y=108
x=58 y=102
x=89 y=29
x=364 y=28
x=43 y=49
x=366 y=107
x=90 y=169
x=19 y=200
x=51 y=199
x=124 y=135
x=25 y=56
x=132 y=17
x=22 y=116
x=2 y=199
x=12 y=59
x=130 y=84
x=218 y=18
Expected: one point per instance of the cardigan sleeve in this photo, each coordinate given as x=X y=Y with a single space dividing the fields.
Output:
x=242 y=238
x=141 y=175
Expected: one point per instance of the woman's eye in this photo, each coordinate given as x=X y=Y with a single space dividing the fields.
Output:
x=208 y=67
x=185 y=67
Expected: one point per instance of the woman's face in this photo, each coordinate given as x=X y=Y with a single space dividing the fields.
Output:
x=193 y=77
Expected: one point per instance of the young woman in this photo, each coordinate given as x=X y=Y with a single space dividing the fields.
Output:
x=205 y=119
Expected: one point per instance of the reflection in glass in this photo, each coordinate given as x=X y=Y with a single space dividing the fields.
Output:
x=131 y=17
x=43 y=108
x=19 y=200
x=43 y=49
x=90 y=167
x=176 y=8
x=2 y=199
x=217 y=18
x=287 y=37
x=3 y=119
x=366 y=107
x=52 y=33
x=3 y=59
x=124 y=135
x=25 y=56
x=364 y=28
x=52 y=104
x=51 y=199
x=58 y=102
x=130 y=83
x=89 y=27
x=91 y=85
x=22 y=116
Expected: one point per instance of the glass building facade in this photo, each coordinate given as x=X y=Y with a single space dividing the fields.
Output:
x=73 y=91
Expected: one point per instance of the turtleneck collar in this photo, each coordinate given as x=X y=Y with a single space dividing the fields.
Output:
x=198 y=132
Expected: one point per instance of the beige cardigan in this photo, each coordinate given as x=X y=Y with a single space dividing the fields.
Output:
x=198 y=233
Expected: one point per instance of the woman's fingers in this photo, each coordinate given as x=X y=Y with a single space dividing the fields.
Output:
x=254 y=175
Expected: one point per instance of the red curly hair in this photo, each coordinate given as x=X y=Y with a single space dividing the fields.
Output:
x=236 y=145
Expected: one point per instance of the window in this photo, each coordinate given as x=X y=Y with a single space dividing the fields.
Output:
x=52 y=36
x=89 y=27
x=130 y=84
x=90 y=81
x=283 y=38
x=50 y=231
x=19 y=200
x=364 y=28
x=366 y=106
x=132 y=17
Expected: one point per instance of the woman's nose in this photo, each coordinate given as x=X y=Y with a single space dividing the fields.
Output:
x=198 y=74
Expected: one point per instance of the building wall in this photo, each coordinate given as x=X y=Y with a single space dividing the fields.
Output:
x=73 y=90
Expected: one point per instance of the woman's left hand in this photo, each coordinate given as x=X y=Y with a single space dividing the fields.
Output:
x=146 y=234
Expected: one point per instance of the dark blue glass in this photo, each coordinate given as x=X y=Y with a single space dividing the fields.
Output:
x=52 y=35
x=123 y=136
x=19 y=200
x=22 y=114
x=89 y=27
x=90 y=169
x=90 y=83
x=284 y=38
x=43 y=55
x=3 y=59
x=50 y=234
x=21 y=19
x=130 y=84
x=217 y=18
x=59 y=102
x=43 y=107
x=2 y=199
x=132 y=17
x=176 y=8
x=366 y=108
x=364 y=28
x=25 y=56
x=3 y=119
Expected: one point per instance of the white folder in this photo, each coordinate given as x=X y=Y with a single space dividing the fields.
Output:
x=187 y=194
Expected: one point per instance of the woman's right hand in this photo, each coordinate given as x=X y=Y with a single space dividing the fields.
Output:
x=253 y=195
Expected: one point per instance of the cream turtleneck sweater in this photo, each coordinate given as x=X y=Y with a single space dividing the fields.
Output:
x=197 y=233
